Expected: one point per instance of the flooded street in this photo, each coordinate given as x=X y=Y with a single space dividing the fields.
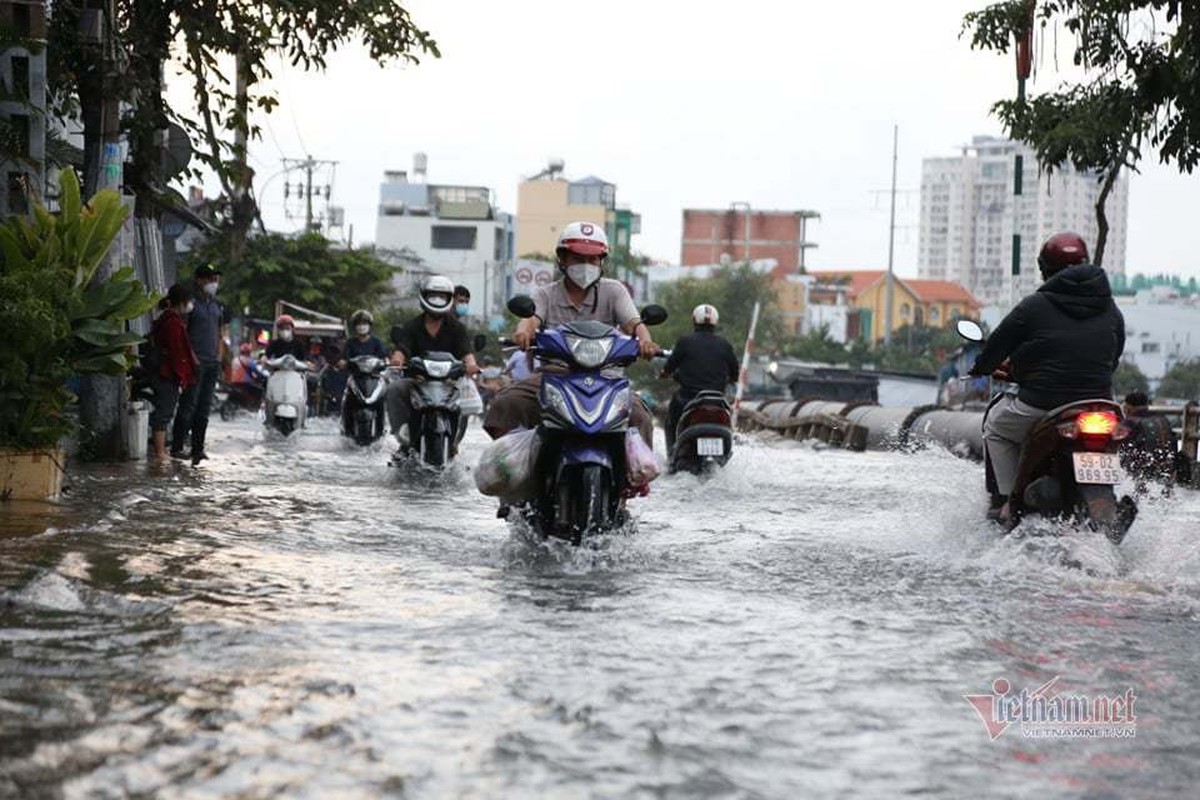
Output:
x=297 y=619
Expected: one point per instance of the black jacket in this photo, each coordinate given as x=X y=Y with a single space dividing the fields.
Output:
x=1064 y=340
x=702 y=361
x=279 y=348
x=413 y=338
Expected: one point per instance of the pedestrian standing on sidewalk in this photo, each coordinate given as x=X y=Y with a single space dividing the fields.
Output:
x=204 y=331
x=176 y=363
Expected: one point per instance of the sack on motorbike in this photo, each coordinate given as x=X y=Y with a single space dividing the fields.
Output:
x=507 y=467
x=469 y=399
x=641 y=465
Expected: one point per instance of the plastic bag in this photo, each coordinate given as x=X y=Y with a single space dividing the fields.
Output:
x=508 y=465
x=469 y=400
x=641 y=464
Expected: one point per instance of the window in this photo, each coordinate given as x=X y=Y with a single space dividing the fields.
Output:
x=905 y=310
x=452 y=237
x=16 y=194
x=933 y=314
x=20 y=76
x=1150 y=347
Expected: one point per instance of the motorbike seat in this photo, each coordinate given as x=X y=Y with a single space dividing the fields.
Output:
x=706 y=398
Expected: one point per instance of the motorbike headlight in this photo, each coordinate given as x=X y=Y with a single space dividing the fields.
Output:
x=556 y=400
x=437 y=369
x=589 y=352
x=619 y=407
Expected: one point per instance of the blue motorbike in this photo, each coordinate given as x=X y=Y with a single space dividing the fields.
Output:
x=585 y=399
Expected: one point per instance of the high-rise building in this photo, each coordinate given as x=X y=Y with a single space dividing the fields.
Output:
x=969 y=215
x=22 y=104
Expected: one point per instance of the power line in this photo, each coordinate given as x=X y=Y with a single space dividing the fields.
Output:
x=305 y=191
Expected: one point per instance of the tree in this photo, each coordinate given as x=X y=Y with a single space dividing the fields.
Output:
x=733 y=290
x=816 y=346
x=306 y=270
x=1182 y=381
x=1128 y=378
x=1141 y=64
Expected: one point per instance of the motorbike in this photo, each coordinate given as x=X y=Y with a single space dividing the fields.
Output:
x=363 y=401
x=585 y=398
x=286 y=396
x=704 y=435
x=436 y=425
x=1069 y=463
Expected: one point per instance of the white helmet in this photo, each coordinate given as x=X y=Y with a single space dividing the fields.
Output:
x=583 y=238
x=437 y=294
x=704 y=314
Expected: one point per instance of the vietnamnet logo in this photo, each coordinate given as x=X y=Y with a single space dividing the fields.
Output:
x=1044 y=713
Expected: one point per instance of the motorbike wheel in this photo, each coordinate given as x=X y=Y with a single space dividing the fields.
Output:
x=285 y=426
x=435 y=449
x=590 y=514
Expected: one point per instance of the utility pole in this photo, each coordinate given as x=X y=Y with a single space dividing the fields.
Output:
x=309 y=165
x=890 y=291
x=1024 y=57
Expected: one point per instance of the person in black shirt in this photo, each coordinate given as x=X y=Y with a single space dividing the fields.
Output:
x=435 y=330
x=1061 y=344
x=285 y=343
x=702 y=361
x=363 y=343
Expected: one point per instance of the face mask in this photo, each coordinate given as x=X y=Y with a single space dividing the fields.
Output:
x=286 y=334
x=211 y=288
x=362 y=330
x=188 y=308
x=583 y=275
x=462 y=309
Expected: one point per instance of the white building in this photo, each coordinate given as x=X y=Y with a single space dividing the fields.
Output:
x=455 y=231
x=1161 y=330
x=969 y=215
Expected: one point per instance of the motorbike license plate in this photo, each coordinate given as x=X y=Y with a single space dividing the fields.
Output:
x=710 y=447
x=1097 y=468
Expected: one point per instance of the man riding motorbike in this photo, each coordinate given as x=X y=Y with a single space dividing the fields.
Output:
x=1061 y=344
x=581 y=294
x=435 y=330
x=702 y=361
x=362 y=344
x=284 y=342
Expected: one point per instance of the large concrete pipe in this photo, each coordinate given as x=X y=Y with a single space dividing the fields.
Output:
x=961 y=432
x=877 y=428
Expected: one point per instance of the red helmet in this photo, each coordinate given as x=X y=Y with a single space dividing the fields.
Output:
x=285 y=319
x=1062 y=250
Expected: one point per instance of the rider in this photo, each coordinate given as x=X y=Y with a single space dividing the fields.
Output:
x=363 y=343
x=284 y=342
x=435 y=330
x=1149 y=452
x=1063 y=343
x=702 y=361
x=581 y=294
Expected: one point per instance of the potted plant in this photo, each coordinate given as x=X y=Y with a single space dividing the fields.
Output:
x=58 y=322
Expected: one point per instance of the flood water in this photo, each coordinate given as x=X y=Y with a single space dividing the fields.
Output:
x=296 y=619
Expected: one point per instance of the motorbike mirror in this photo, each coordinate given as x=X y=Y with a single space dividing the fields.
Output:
x=654 y=315
x=969 y=329
x=480 y=342
x=522 y=306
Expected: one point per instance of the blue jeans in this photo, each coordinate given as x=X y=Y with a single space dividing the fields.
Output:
x=195 y=404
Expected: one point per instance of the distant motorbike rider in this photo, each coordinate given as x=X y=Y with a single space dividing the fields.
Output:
x=1151 y=449
x=362 y=343
x=1061 y=344
x=284 y=342
x=462 y=301
x=702 y=361
x=581 y=294
x=435 y=330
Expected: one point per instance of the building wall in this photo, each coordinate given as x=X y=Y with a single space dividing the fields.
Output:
x=906 y=308
x=19 y=181
x=543 y=211
x=968 y=216
x=1159 y=334
x=710 y=233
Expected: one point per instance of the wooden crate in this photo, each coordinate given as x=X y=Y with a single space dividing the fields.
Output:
x=31 y=474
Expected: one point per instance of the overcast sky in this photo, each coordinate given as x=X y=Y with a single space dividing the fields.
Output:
x=684 y=104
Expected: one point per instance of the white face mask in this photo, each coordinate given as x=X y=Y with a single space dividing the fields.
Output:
x=362 y=330
x=211 y=288
x=583 y=275
x=286 y=334
x=188 y=308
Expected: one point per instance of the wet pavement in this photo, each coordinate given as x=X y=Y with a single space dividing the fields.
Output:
x=295 y=618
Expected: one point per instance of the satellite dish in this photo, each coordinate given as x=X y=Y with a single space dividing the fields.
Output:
x=177 y=153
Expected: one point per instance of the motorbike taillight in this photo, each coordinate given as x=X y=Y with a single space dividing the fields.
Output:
x=1092 y=423
x=708 y=415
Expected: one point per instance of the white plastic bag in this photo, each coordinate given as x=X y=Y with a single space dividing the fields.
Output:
x=469 y=400
x=641 y=465
x=507 y=467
